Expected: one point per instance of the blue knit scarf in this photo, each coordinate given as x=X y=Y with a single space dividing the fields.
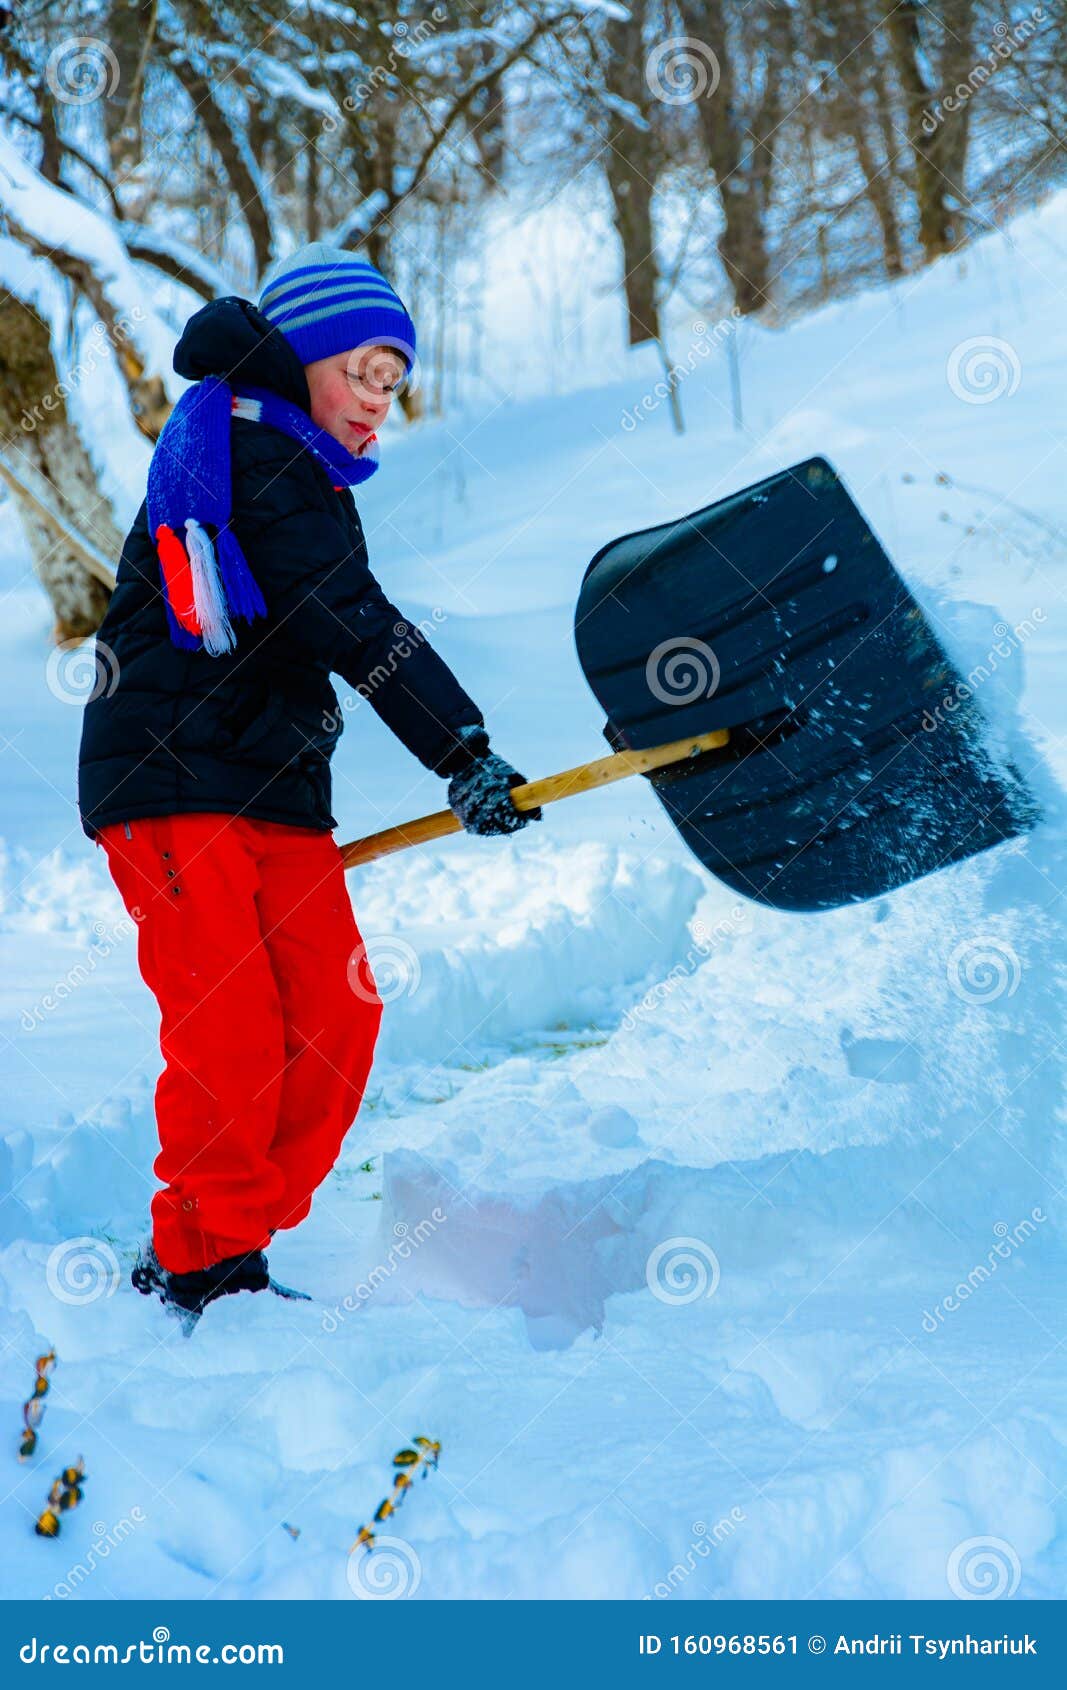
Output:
x=206 y=580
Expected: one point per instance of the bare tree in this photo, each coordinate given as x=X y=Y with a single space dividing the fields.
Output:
x=855 y=109
x=49 y=475
x=740 y=118
x=632 y=160
x=937 y=132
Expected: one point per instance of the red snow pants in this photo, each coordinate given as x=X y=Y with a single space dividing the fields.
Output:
x=269 y=1016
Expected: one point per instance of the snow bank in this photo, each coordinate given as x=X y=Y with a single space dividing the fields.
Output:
x=514 y=940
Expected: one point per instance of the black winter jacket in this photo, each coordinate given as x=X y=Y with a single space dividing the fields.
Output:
x=252 y=732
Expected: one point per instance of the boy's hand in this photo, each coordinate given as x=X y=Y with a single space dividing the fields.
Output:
x=480 y=794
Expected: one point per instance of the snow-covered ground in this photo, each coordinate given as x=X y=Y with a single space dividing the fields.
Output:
x=722 y=1250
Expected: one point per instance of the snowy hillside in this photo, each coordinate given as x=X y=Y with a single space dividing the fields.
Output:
x=723 y=1251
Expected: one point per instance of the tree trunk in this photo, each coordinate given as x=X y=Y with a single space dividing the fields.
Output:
x=631 y=194
x=880 y=194
x=740 y=144
x=131 y=28
x=149 y=404
x=45 y=444
x=312 y=219
x=227 y=146
x=631 y=163
x=938 y=137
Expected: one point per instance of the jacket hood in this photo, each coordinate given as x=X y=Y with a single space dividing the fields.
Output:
x=233 y=339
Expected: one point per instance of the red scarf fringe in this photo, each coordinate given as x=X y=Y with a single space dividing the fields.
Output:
x=178 y=577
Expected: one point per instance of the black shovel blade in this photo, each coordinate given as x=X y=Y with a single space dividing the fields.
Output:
x=858 y=759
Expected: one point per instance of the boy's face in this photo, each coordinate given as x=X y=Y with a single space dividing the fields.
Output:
x=351 y=392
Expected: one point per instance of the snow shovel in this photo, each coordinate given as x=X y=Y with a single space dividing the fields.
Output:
x=764 y=664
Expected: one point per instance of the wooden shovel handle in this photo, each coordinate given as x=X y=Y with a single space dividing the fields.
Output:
x=584 y=778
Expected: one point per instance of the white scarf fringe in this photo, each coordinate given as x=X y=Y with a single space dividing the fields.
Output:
x=208 y=596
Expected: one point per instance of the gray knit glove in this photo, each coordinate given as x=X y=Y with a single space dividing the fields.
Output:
x=480 y=794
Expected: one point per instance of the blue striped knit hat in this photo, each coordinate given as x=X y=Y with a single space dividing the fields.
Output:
x=327 y=300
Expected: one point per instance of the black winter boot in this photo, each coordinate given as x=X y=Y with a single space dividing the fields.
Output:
x=190 y=1293
x=193 y=1291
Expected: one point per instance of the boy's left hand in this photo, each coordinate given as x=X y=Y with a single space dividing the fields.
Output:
x=480 y=796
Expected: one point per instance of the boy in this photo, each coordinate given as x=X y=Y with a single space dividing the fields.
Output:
x=204 y=773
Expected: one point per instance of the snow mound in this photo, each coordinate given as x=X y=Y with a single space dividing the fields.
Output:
x=473 y=954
